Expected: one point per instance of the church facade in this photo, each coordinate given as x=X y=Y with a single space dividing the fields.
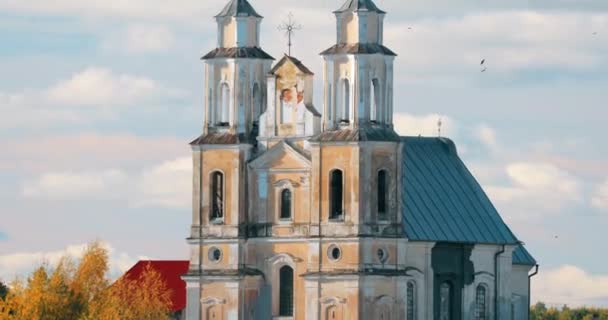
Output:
x=327 y=213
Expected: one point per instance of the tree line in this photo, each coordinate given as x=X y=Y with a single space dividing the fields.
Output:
x=540 y=311
x=82 y=291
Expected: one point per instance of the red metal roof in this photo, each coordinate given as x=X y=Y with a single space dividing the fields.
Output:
x=171 y=272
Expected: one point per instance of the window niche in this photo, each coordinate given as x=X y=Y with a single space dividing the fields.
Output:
x=382 y=196
x=217 y=191
x=284 y=193
x=336 y=195
x=481 y=303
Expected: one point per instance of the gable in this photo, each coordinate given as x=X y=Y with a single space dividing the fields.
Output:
x=281 y=156
x=290 y=65
x=442 y=201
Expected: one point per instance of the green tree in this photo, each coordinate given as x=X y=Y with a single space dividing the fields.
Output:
x=3 y=290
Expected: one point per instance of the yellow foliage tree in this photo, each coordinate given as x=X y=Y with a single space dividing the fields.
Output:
x=144 y=298
x=83 y=292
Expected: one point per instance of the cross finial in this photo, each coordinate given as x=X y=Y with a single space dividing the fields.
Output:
x=439 y=124
x=290 y=26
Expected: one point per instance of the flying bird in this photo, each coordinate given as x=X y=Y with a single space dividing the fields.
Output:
x=483 y=61
x=484 y=69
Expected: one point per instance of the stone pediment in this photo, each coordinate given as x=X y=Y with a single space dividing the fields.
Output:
x=283 y=157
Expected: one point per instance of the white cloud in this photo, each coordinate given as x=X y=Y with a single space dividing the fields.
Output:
x=445 y=49
x=143 y=9
x=600 y=198
x=85 y=151
x=487 y=136
x=101 y=91
x=570 y=285
x=22 y=263
x=425 y=125
x=167 y=185
x=140 y=39
x=145 y=38
x=101 y=87
x=536 y=188
x=62 y=185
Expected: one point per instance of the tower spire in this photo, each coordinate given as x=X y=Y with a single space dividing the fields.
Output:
x=238 y=8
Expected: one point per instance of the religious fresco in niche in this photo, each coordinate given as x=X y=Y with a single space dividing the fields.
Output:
x=291 y=89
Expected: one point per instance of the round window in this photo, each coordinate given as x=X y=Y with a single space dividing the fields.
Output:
x=215 y=255
x=382 y=255
x=334 y=253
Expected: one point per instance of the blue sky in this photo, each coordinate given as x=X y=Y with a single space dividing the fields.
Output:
x=100 y=98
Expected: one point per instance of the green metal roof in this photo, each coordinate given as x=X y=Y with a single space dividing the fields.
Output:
x=442 y=201
x=521 y=256
x=359 y=5
x=238 y=8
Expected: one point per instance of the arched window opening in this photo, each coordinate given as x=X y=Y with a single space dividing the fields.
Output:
x=217 y=196
x=344 y=102
x=286 y=292
x=211 y=110
x=330 y=313
x=286 y=204
x=331 y=111
x=411 y=301
x=336 y=201
x=481 y=303
x=382 y=195
x=375 y=100
x=445 y=301
x=256 y=98
x=224 y=105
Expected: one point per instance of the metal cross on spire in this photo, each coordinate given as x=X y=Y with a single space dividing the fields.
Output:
x=439 y=124
x=290 y=26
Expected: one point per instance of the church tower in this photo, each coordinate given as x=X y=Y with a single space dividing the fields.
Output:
x=235 y=73
x=235 y=85
x=358 y=70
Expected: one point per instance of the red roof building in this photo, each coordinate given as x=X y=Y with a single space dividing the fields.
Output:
x=171 y=272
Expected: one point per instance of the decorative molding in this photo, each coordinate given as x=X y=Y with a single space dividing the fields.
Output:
x=332 y=300
x=284 y=257
x=213 y=301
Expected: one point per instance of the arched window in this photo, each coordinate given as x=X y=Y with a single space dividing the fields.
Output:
x=217 y=196
x=344 y=102
x=286 y=204
x=445 y=301
x=481 y=303
x=331 y=313
x=211 y=117
x=332 y=111
x=375 y=100
x=256 y=98
x=336 y=194
x=411 y=301
x=382 y=195
x=224 y=105
x=286 y=292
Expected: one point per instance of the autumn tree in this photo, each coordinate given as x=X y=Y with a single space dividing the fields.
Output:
x=144 y=298
x=70 y=291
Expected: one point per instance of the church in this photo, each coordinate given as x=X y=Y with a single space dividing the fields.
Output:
x=307 y=212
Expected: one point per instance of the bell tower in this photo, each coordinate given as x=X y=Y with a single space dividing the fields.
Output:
x=218 y=283
x=358 y=70
x=235 y=73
